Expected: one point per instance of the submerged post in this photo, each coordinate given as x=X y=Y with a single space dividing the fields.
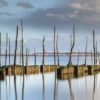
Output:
x=43 y=45
x=0 y=49
x=9 y=51
x=57 y=50
x=72 y=46
x=86 y=50
x=34 y=56
x=26 y=57
x=15 y=47
x=94 y=46
x=20 y=54
x=96 y=53
x=22 y=44
x=54 y=45
x=6 y=49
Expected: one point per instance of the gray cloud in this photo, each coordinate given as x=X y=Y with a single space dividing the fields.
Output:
x=24 y=4
x=3 y=3
x=81 y=12
x=6 y=14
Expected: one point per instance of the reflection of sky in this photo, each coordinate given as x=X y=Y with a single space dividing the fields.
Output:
x=81 y=88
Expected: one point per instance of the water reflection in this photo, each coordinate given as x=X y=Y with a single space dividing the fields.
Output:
x=47 y=87
x=71 y=92
x=0 y=91
x=55 y=86
x=23 y=87
x=43 y=83
x=15 y=86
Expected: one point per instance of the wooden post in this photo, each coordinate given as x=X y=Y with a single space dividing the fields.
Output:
x=72 y=46
x=96 y=53
x=91 y=59
x=15 y=47
x=43 y=45
x=6 y=49
x=57 y=50
x=54 y=45
x=20 y=54
x=26 y=56
x=94 y=47
x=0 y=49
x=22 y=44
x=78 y=58
x=34 y=56
x=9 y=51
x=86 y=50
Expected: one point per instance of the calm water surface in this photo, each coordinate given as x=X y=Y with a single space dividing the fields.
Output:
x=47 y=87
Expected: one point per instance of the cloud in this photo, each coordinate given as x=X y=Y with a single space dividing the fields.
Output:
x=81 y=12
x=24 y=4
x=6 y=14
x=3 y=3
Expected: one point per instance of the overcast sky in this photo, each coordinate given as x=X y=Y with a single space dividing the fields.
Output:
x=40 y=16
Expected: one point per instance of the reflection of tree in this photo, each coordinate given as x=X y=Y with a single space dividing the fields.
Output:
x=71 y=92
x=86 y=86
x=94 y=87
x=55 y=86
x=0 y=91
x=23 y=87
x=43 y=81
x=15 y=87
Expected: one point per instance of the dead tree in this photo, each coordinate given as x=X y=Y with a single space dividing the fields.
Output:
x=72 y=46
x=57 y=49
x=94 y=47
x=20 y=54
x=9 y=51
x=43 y=45
x=54 y=45
x=26 y=56
x=96 y=53
x=0 y=49
x=86 y=50
x=91 y=58
x=16 y=47
x=78 y=58
x=6 y=49
x=22 y=43
x=34 y=56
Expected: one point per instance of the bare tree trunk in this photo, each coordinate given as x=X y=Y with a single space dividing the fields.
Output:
x=43 y=45
x=6 y=49
x=20 y=53
x=91 y=59
x=94 y=46
x=54 y=45
x=0 y=49
x=96 y=53
x=57 y=49
x=34 y=56
x=86 y=50
x=26 y=56
x=9 y=51
x=22 y=44
x=15 y=47
x=72 y=46
x=78 y=59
